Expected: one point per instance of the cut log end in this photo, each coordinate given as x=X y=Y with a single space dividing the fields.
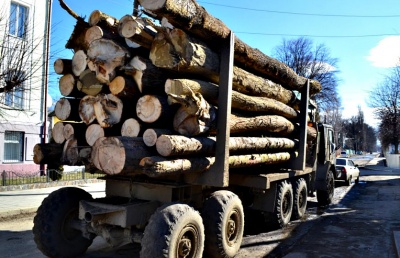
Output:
x=148 y=108
x=130 y=127
x=109 y=155
x=94 y=132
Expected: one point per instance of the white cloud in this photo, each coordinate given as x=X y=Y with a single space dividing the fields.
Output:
x=387 y=53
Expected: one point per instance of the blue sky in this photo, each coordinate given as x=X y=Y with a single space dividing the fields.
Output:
x=361 y=34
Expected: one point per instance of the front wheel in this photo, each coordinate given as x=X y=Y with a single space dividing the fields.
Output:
x=223 y=218
x=174 y=231
x=325 y=197
x=53 y=231
x=300 y=199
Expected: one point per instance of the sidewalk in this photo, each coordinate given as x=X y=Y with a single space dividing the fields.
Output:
x=14 y=203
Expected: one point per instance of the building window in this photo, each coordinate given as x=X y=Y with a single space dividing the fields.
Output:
x=18 y=20
x=15 y=87
x=13 y=146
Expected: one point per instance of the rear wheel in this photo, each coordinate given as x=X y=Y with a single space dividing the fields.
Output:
x=284 y=204
x=300 y=199
x=357 y=180
x=53 y=228
x=348 y=181
x=174 y=231
x=325 y=197
x=223 y=218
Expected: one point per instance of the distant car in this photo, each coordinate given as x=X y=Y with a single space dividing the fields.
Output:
x=359 y=153
x=346 y=170
x=344 y=154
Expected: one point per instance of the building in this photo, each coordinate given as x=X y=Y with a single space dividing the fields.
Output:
x=23 y=81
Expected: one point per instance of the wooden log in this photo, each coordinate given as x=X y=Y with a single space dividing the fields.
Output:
x=153 y=108
x=124 y=87
x=57 y=132
x=68 y=87
x=67 y=109
x=137 y=29
x=130 y=127
x=89 y=84
x=94 y=132
x=158 y=166
x=70 y=153
x=195 y=19
x=239 y=101
x=175 y=145
x=104 y=56
x=97 y=18
x=86 y=109
x=77 y=131
x=117 y=155
x=149 y=78
x=151 y=135
x=79 y=62
x=268 y=123
x=77 y=39
x=108 y=110
x=63 y=66
x=47 y=153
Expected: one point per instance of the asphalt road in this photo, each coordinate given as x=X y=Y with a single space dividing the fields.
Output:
x=306 y=238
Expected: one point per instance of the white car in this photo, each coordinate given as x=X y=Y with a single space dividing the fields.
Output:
x=346 y=170
x=344 y=154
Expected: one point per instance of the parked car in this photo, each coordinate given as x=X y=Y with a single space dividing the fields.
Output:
x=346 y=170
x=344 y=154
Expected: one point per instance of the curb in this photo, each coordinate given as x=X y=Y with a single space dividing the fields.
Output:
x=47 y=185
x=7 y=215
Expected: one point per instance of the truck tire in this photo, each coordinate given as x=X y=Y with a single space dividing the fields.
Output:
x=174 y=230
x=52 y=231
x=300 y=199
x=223 y=218
x=325 y=197
x=284 y=204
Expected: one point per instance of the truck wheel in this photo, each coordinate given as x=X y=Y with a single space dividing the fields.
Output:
x=174 y=231
x=300 y=199
x=223 y=218
x=284 y=204
x=52 y=230
x=325 y=197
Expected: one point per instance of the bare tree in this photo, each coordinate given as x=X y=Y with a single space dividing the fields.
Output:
x=385 y=99
x=313 y=63
x=21 y=59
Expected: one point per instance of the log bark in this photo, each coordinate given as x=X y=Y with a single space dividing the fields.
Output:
x=153 y=108
x=79 y=62
x=77 y=131
x=158 y=166
x=67 y=109
x=118 y=155
x=239 y=101
x=269 y=123
x=196 y=20
x=63 y=66
x=86 y=109
x=89 y=84
x=124 y=87
x=151 y=135
x=131 y=127
x=108 y=110
x=47 y=153
x=57 y=133
x=99 y=18
x=104 y=56
x=138 y=30
x=68 y=86
x=77 y=39
x=175 y=145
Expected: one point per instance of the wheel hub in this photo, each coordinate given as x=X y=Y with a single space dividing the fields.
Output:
x=185 y=245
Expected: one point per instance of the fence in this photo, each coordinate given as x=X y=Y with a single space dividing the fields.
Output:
x=13 y=178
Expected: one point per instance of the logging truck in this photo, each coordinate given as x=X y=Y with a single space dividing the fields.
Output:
x=180 y=187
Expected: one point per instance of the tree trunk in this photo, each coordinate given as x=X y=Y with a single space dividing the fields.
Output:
x=239 y=101
x=57 y=133
x=104 y=56
x=63 y=66
x=124 y=87
x=108 y=110
x=79 y=62
x=47 y=153
x=270 y=123
x=89 y=84
x=117 y=155
x=153 y=108
x=101 y=19
x=158 y=166
x=196 y=20
x=68 y=88
x=151 y=135
x=86 y=109
x=137 y=30
x=175 y=145
x=67 y=109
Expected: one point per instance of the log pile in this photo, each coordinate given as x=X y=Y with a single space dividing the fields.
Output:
x=140 y=98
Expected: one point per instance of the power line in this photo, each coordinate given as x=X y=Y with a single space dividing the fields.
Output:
x=304 y=14
x=316 y=36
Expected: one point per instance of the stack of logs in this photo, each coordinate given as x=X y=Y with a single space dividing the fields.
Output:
x=141 y=98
